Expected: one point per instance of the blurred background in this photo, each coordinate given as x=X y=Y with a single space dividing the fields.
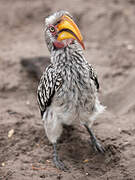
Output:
x=108 y=28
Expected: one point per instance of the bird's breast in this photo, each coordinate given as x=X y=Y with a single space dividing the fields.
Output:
x=76 y=91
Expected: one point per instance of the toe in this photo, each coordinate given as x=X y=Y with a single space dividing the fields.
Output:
x=99 y=148
x=60 y=165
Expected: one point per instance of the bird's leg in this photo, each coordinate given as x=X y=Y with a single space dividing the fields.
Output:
x=58 y=163
x=96 y=145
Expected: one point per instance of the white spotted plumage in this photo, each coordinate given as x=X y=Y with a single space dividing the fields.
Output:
x=67 y=91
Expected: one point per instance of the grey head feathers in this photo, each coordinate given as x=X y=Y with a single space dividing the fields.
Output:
x=52 y=20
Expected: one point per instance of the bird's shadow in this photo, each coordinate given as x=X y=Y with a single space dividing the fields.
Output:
x=34 y=66
x=73 y=146
x=76 y=150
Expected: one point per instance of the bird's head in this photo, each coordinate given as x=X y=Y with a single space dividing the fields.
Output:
x=61 y=30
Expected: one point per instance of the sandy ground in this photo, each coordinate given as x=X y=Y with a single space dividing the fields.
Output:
x=108 y=28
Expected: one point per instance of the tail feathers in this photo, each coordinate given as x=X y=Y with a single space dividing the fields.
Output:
x=99 y=108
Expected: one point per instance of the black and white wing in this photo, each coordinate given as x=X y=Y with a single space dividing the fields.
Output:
x=93 y=76
x=49 y=83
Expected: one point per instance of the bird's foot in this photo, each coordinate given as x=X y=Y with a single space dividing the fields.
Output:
x=59 y=164
x=97 y=146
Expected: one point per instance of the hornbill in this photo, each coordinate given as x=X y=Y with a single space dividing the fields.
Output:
x=67 y=91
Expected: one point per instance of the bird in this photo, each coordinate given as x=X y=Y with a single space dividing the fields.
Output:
x=68 y=88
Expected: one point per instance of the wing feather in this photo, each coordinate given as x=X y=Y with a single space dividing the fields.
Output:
x=49 y=83
x=93 y=76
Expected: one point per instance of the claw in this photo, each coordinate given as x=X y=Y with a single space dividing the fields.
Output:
x=98 y=147
x=59 y=164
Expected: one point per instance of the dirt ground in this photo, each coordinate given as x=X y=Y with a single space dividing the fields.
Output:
x=108 y=27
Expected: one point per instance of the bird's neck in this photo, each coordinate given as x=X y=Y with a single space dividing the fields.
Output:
x=68 y=56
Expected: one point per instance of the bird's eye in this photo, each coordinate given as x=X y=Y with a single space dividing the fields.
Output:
x=52 y=29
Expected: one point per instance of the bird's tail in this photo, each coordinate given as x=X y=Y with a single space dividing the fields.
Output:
x=98 y=109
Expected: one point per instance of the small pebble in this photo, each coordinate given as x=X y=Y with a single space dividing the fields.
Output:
x=28 y=102
x=130 y=47
x=10 y=133
x=48 y=161
x=86 y=160
x=3 y=164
